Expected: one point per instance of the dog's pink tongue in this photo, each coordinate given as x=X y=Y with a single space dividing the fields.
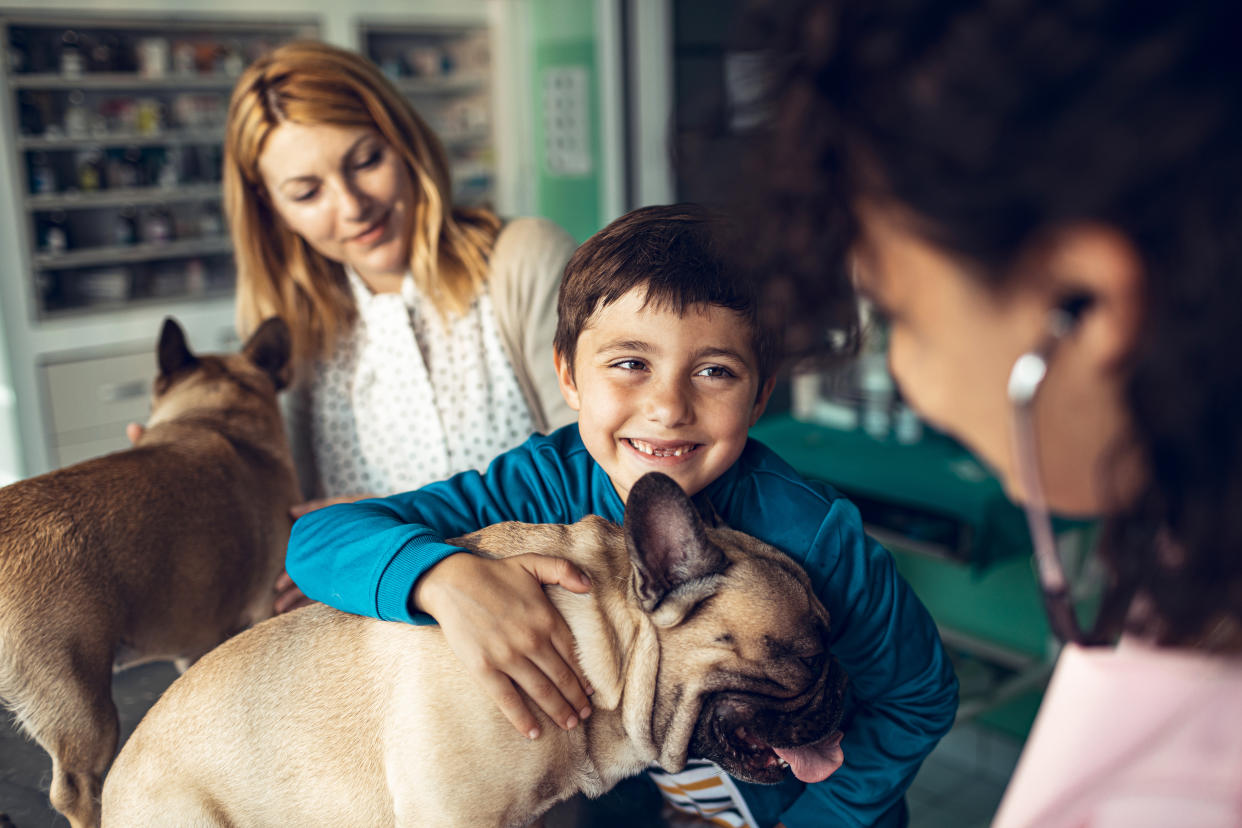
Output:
x=814 y=763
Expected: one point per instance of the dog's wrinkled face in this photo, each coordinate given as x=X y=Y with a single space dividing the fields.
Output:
x=187 y=381
x=774 y=695
x=740 y=618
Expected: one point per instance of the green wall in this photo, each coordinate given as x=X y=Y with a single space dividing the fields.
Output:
x=564 y=36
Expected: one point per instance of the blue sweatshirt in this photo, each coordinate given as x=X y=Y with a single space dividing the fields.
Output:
x=365 y=558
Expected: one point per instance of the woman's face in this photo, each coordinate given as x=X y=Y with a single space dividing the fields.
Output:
x=346 y=192
x=953 y=340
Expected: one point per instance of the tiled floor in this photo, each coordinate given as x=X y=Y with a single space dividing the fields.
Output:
x=961 y=783
x=26 y=771
x=959 y=786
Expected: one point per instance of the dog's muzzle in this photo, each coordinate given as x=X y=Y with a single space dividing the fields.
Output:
x=756 y=737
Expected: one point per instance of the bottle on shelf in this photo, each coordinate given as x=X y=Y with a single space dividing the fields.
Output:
x=907 y=427
x=877 y=388
x=195 y=277
x=77 y=116
x=125 y=229
x=90 y=170
x=123 y=168
x=210 y=222
x=54 y=233
x=19 y=52
x=42 y=174
x=183 y=58
x=157 y=226
x=234 y=60
x=170 y=170
x=71 y=60
x=153 y=57
x=149 y=116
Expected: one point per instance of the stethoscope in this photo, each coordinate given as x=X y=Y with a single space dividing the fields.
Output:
x=1025 y=379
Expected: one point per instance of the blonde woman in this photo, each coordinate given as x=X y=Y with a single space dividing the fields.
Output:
x=422 y=331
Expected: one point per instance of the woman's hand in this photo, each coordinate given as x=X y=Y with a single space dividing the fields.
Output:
x=503 y=628
x=288 y=596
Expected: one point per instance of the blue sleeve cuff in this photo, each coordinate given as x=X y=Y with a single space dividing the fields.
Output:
x=396 y=582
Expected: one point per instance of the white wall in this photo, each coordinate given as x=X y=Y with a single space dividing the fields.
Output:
x=11 y=465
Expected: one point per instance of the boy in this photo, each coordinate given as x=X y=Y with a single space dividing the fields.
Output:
x=659 y=350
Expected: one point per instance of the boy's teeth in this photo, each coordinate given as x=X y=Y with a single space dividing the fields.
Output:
x=647 y=448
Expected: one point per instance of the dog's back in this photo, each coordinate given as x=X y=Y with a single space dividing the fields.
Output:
x=157 y=552
x=332 y=708
x=127 y=540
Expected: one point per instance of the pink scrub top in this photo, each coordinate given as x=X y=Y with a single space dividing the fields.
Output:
x=1133 y=737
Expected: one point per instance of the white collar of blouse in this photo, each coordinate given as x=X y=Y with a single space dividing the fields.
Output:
x=365 y=298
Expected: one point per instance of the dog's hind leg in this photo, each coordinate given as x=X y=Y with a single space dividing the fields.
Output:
x=79 y=728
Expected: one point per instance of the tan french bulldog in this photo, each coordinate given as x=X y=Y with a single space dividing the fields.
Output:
x=160 y=551
x=700 y=642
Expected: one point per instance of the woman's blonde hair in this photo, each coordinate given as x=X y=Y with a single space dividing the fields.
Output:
x=278 y=273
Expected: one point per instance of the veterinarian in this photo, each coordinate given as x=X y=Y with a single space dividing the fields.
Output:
x=1045 y=199
x=422 y=330
x=659 y=351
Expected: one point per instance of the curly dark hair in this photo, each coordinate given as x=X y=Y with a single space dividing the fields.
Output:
x=996 y=121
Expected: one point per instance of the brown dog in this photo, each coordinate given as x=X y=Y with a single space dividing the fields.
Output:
x=699 y=642
x=157 y=552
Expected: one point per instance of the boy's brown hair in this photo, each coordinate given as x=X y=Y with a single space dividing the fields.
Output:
x=680 y=253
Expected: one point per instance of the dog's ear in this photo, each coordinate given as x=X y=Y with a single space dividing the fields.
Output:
x=173 y=353
x=666 y=540
x=270 y=347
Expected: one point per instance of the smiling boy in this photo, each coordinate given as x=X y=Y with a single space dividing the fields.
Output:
x=659 y=350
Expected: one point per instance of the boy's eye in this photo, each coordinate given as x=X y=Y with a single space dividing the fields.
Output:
x=715 y=372
x=630 y=364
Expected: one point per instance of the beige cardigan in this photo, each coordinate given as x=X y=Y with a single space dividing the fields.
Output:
x=524 y=278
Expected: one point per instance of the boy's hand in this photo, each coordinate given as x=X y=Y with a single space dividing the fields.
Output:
x=506 y=632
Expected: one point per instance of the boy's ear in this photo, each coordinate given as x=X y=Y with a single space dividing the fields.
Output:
x=565 y=378
x=762 y=402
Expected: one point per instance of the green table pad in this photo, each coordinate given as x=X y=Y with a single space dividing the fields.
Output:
x=934 y=474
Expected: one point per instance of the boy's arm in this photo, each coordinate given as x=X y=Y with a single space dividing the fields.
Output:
x=366 y=557
x=903 y=691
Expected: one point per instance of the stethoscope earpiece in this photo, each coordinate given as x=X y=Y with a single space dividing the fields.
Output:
x=1025 y=378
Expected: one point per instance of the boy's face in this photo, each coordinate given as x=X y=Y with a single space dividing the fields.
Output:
x=655 y=391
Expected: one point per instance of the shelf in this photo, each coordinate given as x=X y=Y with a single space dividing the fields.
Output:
x=466 y=139
x=132 y=110
x=172 y=137
x=449 y=85
x=124 y=197
x=137 y=305
x=123 y=81
x=147 y=251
